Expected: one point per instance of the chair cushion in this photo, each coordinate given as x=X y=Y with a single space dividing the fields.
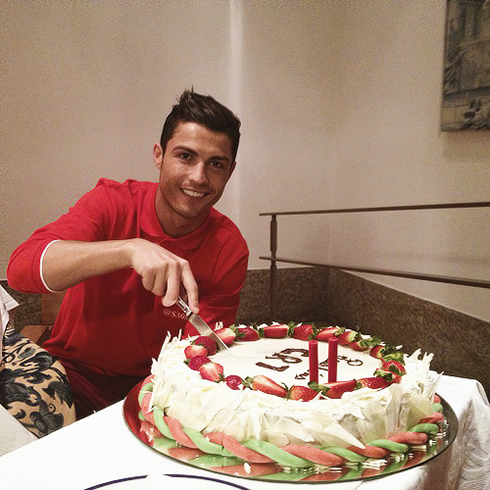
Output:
x=34 y=387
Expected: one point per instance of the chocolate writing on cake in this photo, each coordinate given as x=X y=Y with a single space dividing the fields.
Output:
x=293 y=356
x=285 y=357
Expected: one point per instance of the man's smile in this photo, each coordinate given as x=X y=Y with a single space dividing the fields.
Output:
x=192 y=193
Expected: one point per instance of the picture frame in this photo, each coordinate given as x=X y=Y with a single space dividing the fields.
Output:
x=466 y=85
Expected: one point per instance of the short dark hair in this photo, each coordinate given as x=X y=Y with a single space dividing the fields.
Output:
x=203 y=110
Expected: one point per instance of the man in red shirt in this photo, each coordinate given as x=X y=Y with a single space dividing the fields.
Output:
x=126 y=251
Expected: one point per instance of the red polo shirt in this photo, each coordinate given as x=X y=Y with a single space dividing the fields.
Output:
x=111 y=322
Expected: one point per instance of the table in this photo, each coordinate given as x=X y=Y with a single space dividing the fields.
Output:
x=101 y=448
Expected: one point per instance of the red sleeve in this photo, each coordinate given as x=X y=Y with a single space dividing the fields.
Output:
x=86 y=221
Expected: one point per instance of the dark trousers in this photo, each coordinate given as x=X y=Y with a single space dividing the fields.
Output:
x=93 y=390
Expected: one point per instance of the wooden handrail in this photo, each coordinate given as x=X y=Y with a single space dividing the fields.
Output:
x=386 y=272
x=415 y=207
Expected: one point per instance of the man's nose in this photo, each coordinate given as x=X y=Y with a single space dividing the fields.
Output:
x=198 y=173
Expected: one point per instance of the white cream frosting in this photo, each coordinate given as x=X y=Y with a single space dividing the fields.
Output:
x=355 y=419
x=351 y=364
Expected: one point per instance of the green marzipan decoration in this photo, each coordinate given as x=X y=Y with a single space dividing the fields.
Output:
x=147 y=388
x=431 y=429
x=204 y=444
x=266 y=448
x=297 y=475
x=277 y=454
x=209 y=460
x=141 y=416
x=160 y=423
x=437 y=407
x=394 y=447
x=162 y=444
x=345 y=453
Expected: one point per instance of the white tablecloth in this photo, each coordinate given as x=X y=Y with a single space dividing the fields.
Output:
x=101 y=448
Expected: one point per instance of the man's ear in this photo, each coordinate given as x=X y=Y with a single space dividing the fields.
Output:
x=232 y=167
x=157 y=155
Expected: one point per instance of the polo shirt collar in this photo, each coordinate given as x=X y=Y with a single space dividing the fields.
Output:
x=152 y=227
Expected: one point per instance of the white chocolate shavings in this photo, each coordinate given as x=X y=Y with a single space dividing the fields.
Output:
x=355 y=419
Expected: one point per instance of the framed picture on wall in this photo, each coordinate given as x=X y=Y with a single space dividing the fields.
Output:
x=466 y=94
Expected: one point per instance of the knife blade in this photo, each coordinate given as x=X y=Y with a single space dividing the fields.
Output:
x=201 y=326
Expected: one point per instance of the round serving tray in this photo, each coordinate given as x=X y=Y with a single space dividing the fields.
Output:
x=273 y=472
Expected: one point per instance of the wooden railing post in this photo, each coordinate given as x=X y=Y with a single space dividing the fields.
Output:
x=273 y=268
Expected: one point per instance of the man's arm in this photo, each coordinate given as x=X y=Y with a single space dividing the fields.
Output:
x=66 y=263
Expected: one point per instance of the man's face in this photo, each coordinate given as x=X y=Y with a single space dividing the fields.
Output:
x=193 y=173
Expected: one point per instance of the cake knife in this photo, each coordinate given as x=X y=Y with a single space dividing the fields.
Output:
x=201 y=326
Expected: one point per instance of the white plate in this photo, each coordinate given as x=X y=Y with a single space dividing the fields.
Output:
x=167 y=482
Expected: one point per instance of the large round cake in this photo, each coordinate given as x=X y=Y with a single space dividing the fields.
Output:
x=257 y=403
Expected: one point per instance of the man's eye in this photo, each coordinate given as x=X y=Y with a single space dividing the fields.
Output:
x=217 y=164
x=185 y=157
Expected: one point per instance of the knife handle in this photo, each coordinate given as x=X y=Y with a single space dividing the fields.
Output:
x=185 y=307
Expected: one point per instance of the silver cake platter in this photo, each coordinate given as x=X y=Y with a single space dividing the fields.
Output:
x=275 y=473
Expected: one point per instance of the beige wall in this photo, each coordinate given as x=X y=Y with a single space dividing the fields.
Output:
x=340 y=104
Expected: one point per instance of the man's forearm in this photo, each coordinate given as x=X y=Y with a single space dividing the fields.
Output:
x=67 y=263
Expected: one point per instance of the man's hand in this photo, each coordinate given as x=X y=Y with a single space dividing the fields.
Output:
x=67 y=263
x=163 y=273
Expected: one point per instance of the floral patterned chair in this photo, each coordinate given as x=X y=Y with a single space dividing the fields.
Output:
x=33 y=386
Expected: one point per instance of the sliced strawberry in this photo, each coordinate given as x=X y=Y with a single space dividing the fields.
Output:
x=394 y=367
x=376 y=351
x=387 y=352
x=276 y=331
x=196 y=362
x=338 y=388
x=234 y=382
x=210 y=344
x=375 y=383
x=387 y=375
x=358 y=346
x=303 y=332
x=195 y=350
x=246 y=334
x=349 y=336
x=391 y=371
x=212 y=371
x=227 y=335
x=325 y=333
x=266 y=385
x=365 y=344
x=302 y=393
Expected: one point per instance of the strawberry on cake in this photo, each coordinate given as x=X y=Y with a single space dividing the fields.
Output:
x=259 y=405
